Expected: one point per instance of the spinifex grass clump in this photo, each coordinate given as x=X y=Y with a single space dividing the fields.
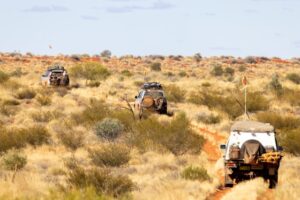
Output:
x=111 y=155
x=176 y=136
x=101 y=179
x=195 y=173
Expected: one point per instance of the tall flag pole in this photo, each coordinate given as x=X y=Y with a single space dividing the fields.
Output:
x=244 y=81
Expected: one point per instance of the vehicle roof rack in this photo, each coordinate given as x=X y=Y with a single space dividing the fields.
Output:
x=56 y=67
x=152 y=85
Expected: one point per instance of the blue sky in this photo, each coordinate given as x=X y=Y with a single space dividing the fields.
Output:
x=143 y=27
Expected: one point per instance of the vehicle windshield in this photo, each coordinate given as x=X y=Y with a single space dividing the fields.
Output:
x=154 y=93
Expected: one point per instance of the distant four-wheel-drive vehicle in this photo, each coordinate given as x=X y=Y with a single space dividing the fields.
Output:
x=55 y=75
x=151 y=97
x=251 y=151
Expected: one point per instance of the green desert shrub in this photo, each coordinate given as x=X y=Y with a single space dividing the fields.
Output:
x=90 y=71
x=229 y=71
x=290 y=141
x=26 y=93
x=112 y=155
x=108 y=128
x=195 y=173
x=175 y=93
x=294 y=77
x=215 y=100
x=255 y=102
x=3 y=77
x=14 y=160
x=275 y=85
x=88 y=193
x=35 y=135
x=242 y=68
x=71 y=138
x=93 y=84
x=127 y=73
x=279 y=121
x=176 y=136
x=291 y=96
x=101 y=179
x=155 y=66
x=217 y=70
x=233 y=106
x=182 y=74
x=93 y=113
x=208 y=118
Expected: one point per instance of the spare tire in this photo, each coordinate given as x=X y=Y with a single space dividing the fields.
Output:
x=251 y=150
x=147 y=102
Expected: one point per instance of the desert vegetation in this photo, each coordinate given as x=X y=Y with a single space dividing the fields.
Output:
x=84 y=142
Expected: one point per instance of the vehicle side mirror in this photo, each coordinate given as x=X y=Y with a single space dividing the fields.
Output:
x=279 y=148
x=223 y=146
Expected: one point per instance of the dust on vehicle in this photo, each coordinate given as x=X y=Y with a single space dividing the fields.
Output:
x=56 y=76
x=251 y=151
x=151 y=97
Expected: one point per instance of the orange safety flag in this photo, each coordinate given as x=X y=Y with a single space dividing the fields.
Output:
x=244 y=81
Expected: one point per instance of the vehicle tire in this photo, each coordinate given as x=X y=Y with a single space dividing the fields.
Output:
x=273 y=180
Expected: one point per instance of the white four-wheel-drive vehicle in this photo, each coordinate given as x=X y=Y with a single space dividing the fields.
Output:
x=56 y=75
x=251 y=151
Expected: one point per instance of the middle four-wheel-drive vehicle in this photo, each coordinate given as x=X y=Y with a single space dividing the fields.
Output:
x=251 y=151
x=56 y=75
x=151 y=97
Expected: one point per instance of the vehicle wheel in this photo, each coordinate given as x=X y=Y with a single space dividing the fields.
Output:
x=273 y=180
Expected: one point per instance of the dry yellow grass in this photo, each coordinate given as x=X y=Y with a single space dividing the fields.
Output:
x=157 y=175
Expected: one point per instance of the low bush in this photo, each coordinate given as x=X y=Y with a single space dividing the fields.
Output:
x=3 y=76
x=93 y=83
x=214 y=100
x=182 y=74
x=275 y=85
x=138 y=83
x=295 y=78
x=242 y=68
x=229 y=71
x=155 y=67
x=14 y=160
x=112 y=155
x=234 y=107
x=46 y=116
x=176 y=136
x=290 y=141
x=44 y=100
x=35 y=135
x=195 y=173
x=291 y=96
x=108 y=128
x=88 y=193
x=175 y=93
x=100 y=179
x=93 y=113
x=208 y=118
x=127 y=73
x=71 y=138
x=26 y=94
x=279 y=121
x=90 y=71
x=217 y=70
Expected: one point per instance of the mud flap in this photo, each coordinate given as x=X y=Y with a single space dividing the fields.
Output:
x=228 y=182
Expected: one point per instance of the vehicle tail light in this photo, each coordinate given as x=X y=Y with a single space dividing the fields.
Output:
x=231 y=165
